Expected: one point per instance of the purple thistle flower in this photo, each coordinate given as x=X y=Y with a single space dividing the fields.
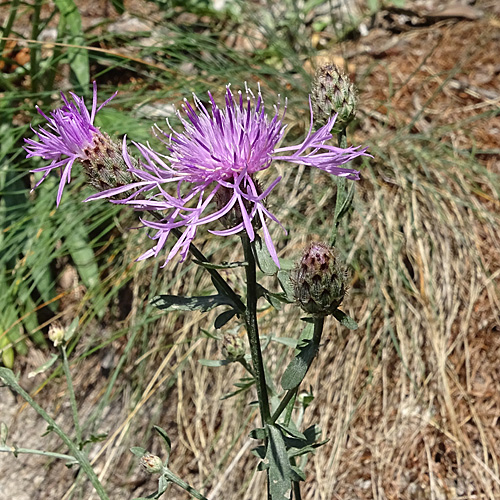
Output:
x=216 y=158
x=69 y=135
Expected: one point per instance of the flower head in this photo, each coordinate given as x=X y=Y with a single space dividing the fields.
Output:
x=216 y=158
x=70 y=135
x=332 y=93
x=319 y=280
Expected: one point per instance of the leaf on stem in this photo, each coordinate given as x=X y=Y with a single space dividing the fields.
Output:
x=222 y=265
x=214 y=363
x=297 y=369
x=280 y=471
x=168 y=444
x=176 y=303
x=345 y=320
x=286 y=284
x=224 y=318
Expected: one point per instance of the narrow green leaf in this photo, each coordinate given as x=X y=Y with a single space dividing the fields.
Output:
x=78 y=58
x=4 y=432
x=280 y=472
x=259 y=451
x=259 y=433
x=222 y=265
x=292 y=432
x=286 y=284
x=345 y=320
x=138 y=451
x=94 y=438
x=70 y=331
x=83 y=255
x=297 y=474
x=175 y=303
x=289 y=342
x=119 y=6
x=297 y=369
x=304 y=354
x=44 y=367
x=213 y=363
x=163 y=483
x=224 y=318
x=166 y=439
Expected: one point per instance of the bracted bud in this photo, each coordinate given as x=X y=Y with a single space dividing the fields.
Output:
x=56 y=333
x=151 y=463
x=319 y=281
x=104 y=165
x=333 y=93
x=233 y=347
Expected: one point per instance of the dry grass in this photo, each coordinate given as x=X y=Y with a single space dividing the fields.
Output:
x=409 y=401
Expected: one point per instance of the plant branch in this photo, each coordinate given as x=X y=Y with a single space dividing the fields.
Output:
x=8 y=378
x=253 y=330
x=27 y=451
x=318 y=330
x=168 y=474
x=72 y=398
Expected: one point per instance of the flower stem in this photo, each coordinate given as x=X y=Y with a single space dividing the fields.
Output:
x=253 y=330
x=27 y=451
x=72 y=398
x=8 y=378
x=185 y=486
x=318 y=330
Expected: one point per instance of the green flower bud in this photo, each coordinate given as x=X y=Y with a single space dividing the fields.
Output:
x=319 y=281
x=151 y=463
x=332 y=92
x=233 y=347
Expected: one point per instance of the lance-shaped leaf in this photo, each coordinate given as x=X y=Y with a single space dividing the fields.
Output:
x=345 y=320
x=297 y=369
x=280 y=471
x=176 y=303
x=166 y=439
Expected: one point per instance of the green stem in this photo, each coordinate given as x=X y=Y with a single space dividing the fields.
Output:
x=8 y=378
x=253 y=330
x=247 y=367
x=26 y=451
x=296 y=488
x=318 y=330
x=35 y=48
x=289 y=408
x=185 y=486
x=8 y=25
x=284 y=403
x=72 y=398
x=341 y=188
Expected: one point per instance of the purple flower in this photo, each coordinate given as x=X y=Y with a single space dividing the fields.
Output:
x=216 y=159
x=69 y=135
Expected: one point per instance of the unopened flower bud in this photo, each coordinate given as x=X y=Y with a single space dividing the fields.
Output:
x=151 y=463
x=319 y=280
x=233 y=347
x=56 y=333
x=332 y=92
